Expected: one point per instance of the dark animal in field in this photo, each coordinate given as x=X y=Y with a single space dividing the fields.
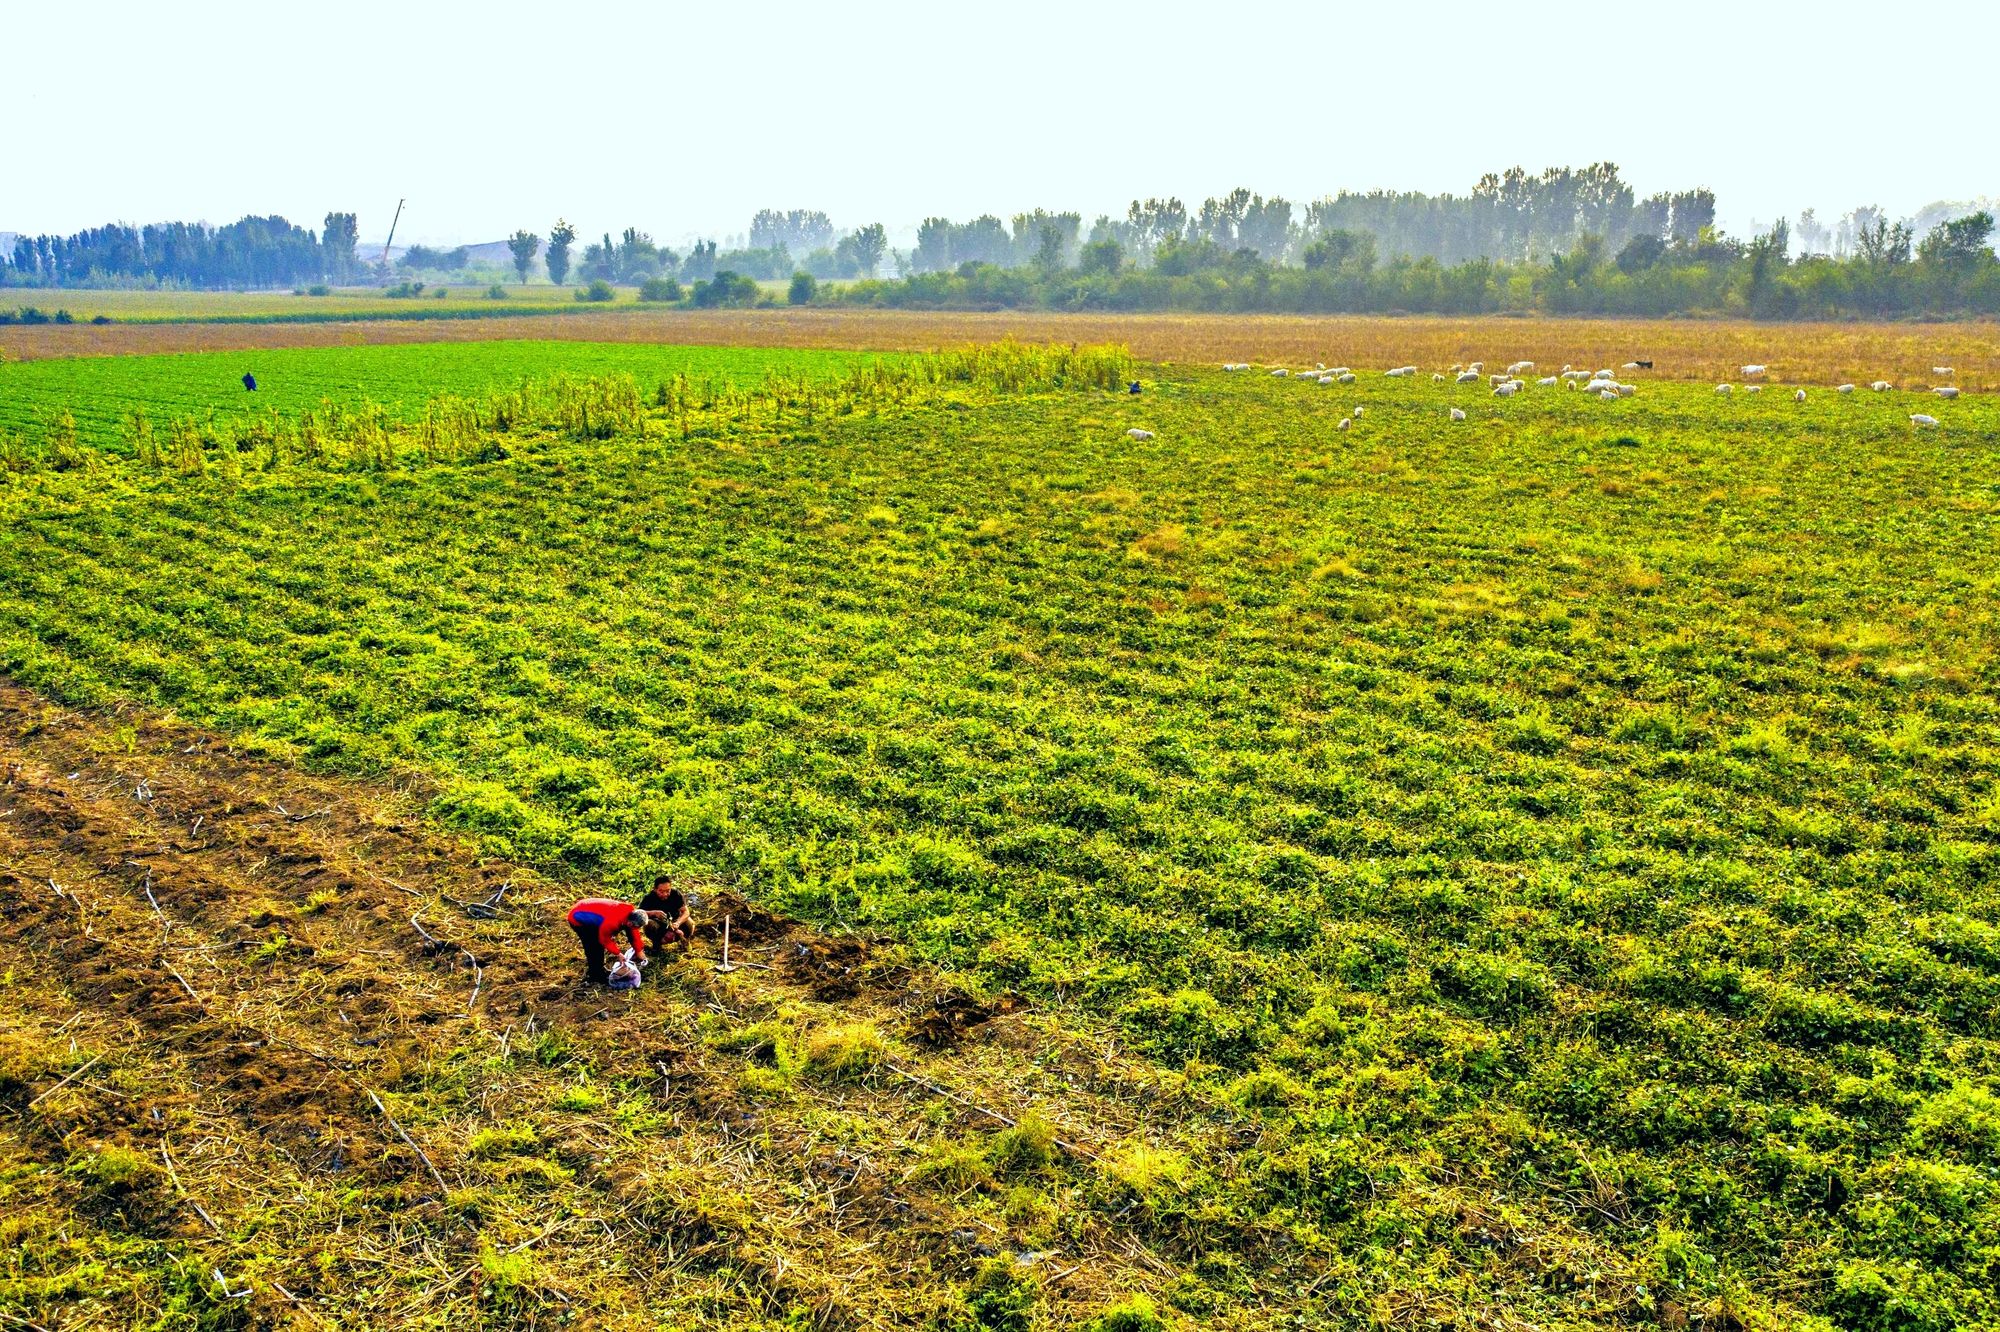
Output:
x=1643 y=365
x=1133 y=387
x=249 y=383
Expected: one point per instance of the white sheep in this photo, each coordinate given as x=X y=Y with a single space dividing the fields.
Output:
x=1549 y=382
x=1845 y=388
x=1946 y=391
x=1437 y=379
x=1357 y=413
x=1629 y=365
x=1520 y=367
x=1344 y=423
x=1476 y=367
x=1508 y=389
x=1626 y=390
x=1919 y=419
x=1340 y=370
x=1344 y=377
x=1752 y=371
x=1722 y=388
x=1457 y=415
x=1799 y=396
x=1403 y=372
x=1467 y=377
x=1881 y=386
x=1943 y=371
x=1280 y=373
x=1753 y=388
x=1136 y=433
x=1235 y=365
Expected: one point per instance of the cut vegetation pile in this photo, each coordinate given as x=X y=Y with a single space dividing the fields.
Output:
x=1538 y=870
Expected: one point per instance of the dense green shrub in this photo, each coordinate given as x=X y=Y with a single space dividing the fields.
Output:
x=725 y=289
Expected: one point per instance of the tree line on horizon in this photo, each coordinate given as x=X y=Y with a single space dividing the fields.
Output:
x=1564 y=241
x=1951 y=271
x=634 y=257
x=251 y=252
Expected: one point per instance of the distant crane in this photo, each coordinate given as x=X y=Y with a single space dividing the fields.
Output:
x=384 y=261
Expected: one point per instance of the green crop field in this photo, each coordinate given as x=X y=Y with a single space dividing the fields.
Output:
x=146 y=307
x=1551 y=860
x=340 y=304
x=101 y=393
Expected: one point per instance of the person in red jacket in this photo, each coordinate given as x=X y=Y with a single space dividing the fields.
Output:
x=598 y=922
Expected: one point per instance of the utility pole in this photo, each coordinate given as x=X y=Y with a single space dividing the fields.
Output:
x=384 y=261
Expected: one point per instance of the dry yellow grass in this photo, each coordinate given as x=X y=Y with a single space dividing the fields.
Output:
x=1681 y=349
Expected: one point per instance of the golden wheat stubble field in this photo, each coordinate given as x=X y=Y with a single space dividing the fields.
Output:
x=1827 y=354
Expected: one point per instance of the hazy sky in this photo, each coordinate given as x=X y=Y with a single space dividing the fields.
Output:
x=685 y=121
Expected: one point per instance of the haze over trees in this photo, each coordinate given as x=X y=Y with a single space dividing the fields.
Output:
x=799 y=231
x=423 y=258
x=631 y=259
x=1508 y=216
x=338 y=242
x=556 y=257
x=1560 y=242
x=1952 y=271
x=252 y=252
x=943 y=244
x=524 y=245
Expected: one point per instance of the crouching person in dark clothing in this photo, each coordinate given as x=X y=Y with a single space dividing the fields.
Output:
x=598 y=922
x=670 y=922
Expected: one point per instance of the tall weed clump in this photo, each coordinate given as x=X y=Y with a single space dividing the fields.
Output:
x=1015 y=367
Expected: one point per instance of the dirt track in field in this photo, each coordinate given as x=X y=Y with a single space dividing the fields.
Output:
x=240 y=945
x=1682 y=349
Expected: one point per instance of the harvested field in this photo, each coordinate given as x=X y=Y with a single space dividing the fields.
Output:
x=252 y=1067
x=1683 y=349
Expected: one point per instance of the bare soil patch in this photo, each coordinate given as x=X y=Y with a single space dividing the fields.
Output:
x=269 y=1024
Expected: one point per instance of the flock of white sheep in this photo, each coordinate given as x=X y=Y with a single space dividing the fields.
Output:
x=1602 y=384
